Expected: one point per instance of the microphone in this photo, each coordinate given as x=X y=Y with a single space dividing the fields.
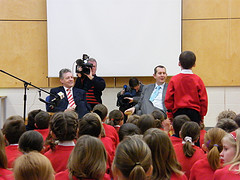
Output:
x=60 y=96
x=125 y=87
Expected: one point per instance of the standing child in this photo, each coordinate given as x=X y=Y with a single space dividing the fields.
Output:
x=231 y=157
x=116 y=119
x=187 y=153
x=63 y=128
x=205 y=168
x=186 y=93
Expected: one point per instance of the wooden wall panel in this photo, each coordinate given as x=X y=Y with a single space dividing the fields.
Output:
x=23 y=49
x=217 y=47
x=23 y=10
x=205 y=9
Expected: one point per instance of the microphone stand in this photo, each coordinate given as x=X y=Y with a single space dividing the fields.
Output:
x=25 y=91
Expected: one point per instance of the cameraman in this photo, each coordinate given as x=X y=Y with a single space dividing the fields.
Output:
x=130 y=95
x=91 y=83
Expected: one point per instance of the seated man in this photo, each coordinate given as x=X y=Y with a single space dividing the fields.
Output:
x=129 y=96
x=74 y=99
x=153 y=95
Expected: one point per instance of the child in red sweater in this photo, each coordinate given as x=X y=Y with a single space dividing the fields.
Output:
x=63 y=128
x=42 y=123
x=187 y=153
x=205 y=168
x=116 y=118
x=231 y=157
x=186 y=93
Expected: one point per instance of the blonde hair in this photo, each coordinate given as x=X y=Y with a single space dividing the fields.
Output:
x=213 y=142
x=163 y=155
x=190 y=129
x=33 y=166
x=3 y=157
x=88 y=158
x=133 y=158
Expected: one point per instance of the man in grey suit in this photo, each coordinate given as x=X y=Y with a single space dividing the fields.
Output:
x=153 y=95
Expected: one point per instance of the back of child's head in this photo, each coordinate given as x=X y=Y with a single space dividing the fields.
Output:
x=187 y=59
x=15 y=117
x=64 y=125
x=115 y=117
x=178 y=121
x=31 y=141
x=133 y=159
x=90 y=124
x=3 y=157
x=42 y=120
x=213 y=143
x=163 y=154
x=145 y=122
x=237 y=119
x=190 y=133
x=227 y=124
x=128 y=129
x=133 y=119
x=158 y=117
x=33 y=166
x=101 y=110
x=13 y=129
x=31 y=119
x=88 y=158
x=226 y=114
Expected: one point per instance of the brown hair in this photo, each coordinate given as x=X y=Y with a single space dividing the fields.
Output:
x=3 y=157
x=33 y=166
x=163 y=155
x=88 y=158
x=213 y=142
x=101 y=110
x=115 y=117
x=158 y=117
x=133 y=119
x=145 y=122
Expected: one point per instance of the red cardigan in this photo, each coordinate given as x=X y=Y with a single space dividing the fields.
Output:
x=187 y=162
x=226 y=174
x=175 y=140
x=12 y=153
x=177 y=177
x=43 y=132
x=111 y=132
x=6 y=174
x=186 y=91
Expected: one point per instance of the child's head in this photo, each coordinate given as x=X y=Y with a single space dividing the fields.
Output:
x=163 y=154
x=88 y=158
x=159 y=118
x=178 y=121
x=90 y=124
x=145 y=122
x=15 y=117
x=128 y=129
x=42 y=120
x=187 y=59
x=63 y=125
x=33 y=166
x=133 y=119
x=31 y=141
x=13 y=129
x=3 y=157
x=231 y=147
x=116 y=117
x=31 y=118
x=226 y=114
x=133 y=159
x=213 y=145
x=237 y=119
x=190 y=133
x=101 y=110
x=227 y=124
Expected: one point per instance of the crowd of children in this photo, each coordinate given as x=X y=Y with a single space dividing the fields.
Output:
x=101 y=146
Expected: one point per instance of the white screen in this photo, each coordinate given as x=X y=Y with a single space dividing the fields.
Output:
x=126 y=37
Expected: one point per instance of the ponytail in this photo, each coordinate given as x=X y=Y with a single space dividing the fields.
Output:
x=188 y=149
x=213 y=157
x=137 y=172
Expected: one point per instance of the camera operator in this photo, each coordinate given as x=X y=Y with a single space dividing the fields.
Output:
x=90 y=82
x=130 y=95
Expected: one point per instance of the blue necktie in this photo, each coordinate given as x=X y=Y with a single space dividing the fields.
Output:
x=155 y=93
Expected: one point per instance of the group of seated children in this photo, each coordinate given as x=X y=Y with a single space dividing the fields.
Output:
x=100 y=146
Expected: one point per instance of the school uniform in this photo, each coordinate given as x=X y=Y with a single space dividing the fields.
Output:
x=117 y=127
x=12 y=154
x=178 y=177
x=59 y=157
x=187 y=162
x=6 y=174
x=201 y=170
x=175 y=140
x=43 y=132
x=65 y=175
x=225 y=173
x=111 y=133
x=202 y=134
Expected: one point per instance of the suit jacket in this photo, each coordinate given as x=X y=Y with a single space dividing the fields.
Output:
x=145 y=106
x=79 y=97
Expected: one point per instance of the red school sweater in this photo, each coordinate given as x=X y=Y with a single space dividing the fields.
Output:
x=12 y=153
x=226 y=174
x=111 y=132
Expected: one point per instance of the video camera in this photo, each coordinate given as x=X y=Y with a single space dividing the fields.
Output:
x=84 y=65
x=125 y=103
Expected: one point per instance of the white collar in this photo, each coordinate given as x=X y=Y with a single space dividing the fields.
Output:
x=156 y=85
x=186 y=71
x=67 y=88
x=66 y=143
